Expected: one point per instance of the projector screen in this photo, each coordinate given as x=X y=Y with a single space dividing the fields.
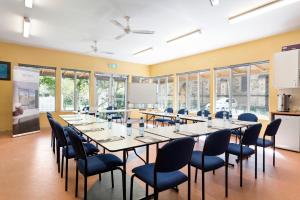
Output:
x=142 y=93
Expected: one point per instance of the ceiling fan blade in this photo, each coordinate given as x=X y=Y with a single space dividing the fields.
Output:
x=120 y=36
x=108 y=52
x=142 y=32
x=115 y=22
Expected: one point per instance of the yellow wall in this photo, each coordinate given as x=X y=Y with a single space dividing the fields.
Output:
x=37 y=56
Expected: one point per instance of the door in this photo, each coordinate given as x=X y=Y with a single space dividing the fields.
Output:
x=288 y=135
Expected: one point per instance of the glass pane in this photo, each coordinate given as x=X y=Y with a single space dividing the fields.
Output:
x=118 y=92
x=83 y=89
x=259 y=90
x=162 y=94
x=222 y=90
x=204 y=89
x=170 y=91
x=239 y=103
x=102 y=91
x=47 y=90
x=182 y=93
x=67 y=90
x=193 y=91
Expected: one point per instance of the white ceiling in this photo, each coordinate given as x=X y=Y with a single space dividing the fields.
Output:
x=71 y=25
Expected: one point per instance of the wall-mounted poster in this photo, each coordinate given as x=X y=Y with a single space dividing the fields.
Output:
x=4 y=70
x=25 y=102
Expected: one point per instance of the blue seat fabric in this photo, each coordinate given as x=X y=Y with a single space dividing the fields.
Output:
x=88 y=147
x=235 y=150
x=210 y=162
x=164 y=180
x=260 y=142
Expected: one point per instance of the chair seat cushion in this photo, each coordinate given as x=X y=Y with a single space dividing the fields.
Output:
x=236 y=132
x=260 y=142
x=173 y=122
x=88 y=147
x=210 y=162
x=116 y=117
x=164 y=180
x=99 y=164
x=163 y=120
x=235 y=150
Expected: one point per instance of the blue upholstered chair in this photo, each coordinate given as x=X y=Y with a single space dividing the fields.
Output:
x=181 y=111
x=165 y=120
x=270 y=131
x=164 y=173
x=115 y=116
x=206 y=113
x=249 y=117
x=91 y=165
x=242 y=150
x=67 y=150
x=219 y=114
x=208 y=160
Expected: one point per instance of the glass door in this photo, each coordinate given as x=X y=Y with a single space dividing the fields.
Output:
x=102 y=91
x=119 y=90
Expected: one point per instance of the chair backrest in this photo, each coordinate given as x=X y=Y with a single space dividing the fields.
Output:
x=206 y=113
x=76 y=144
x=219 y=114
x=248 y=117
x=182 y=111
x=60 y=134
x=251 y=134
x=49 y=115
x=51 y=122
x=174 y=155
x=110 y=108
x=273 y=127
x=216 y=143
x=169 y=110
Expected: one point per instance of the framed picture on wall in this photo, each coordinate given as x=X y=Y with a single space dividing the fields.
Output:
x=5 y=70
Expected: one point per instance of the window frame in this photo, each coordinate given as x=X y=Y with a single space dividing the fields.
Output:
x=230 y=68
x=75 y=103
x=186 y=76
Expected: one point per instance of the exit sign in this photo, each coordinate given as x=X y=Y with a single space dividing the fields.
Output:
x=112 y=65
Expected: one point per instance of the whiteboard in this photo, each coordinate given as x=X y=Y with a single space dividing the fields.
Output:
x=142 y=93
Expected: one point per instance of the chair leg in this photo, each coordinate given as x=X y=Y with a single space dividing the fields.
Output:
x=76 y=183
x=112 y=179
x=189 y=182
x=62 y=167
x=85 y=187
x=241 y=172
x=274 y=152
x=131 y=187
x=255 y=162
x=203 y=185
x=196 y=173
x=214 y=172
x=263 y=159
x=99 y=177
x=58 y=159
x=226 y=175
x=155 y=194
x=66 y=181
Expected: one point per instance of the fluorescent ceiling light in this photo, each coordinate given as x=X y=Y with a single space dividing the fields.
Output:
x=215 y=2
x=143 y=51
x=26 y=27
x=28 y=3
x=260 y=10
x=198 y=31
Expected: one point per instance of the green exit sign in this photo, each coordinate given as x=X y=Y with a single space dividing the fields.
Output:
x=112 y=65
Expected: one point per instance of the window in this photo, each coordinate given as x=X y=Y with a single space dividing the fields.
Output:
x=193 y=90
x=111 y=90
x=47 y=87
x=74 y=90
x=243 y=88
x=165 y=91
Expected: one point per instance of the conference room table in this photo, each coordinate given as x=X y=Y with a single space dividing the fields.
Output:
x=115 y=139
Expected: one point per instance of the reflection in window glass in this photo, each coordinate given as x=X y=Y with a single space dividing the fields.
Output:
x=170 y=91
x=222 y=89
x=118 y=92
x=102 y=91
x=259 y=89
x=204 y=93
x=182 y=91
x=239 y=90
x=68 y=91
x=82 y=88
x=193 y=91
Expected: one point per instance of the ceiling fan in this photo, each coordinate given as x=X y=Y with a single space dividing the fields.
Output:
x=94 y=49
x=127 y=29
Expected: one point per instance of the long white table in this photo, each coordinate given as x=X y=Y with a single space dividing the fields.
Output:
x=116 y=138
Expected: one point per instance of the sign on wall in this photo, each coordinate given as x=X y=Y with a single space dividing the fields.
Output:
x=25 y=101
